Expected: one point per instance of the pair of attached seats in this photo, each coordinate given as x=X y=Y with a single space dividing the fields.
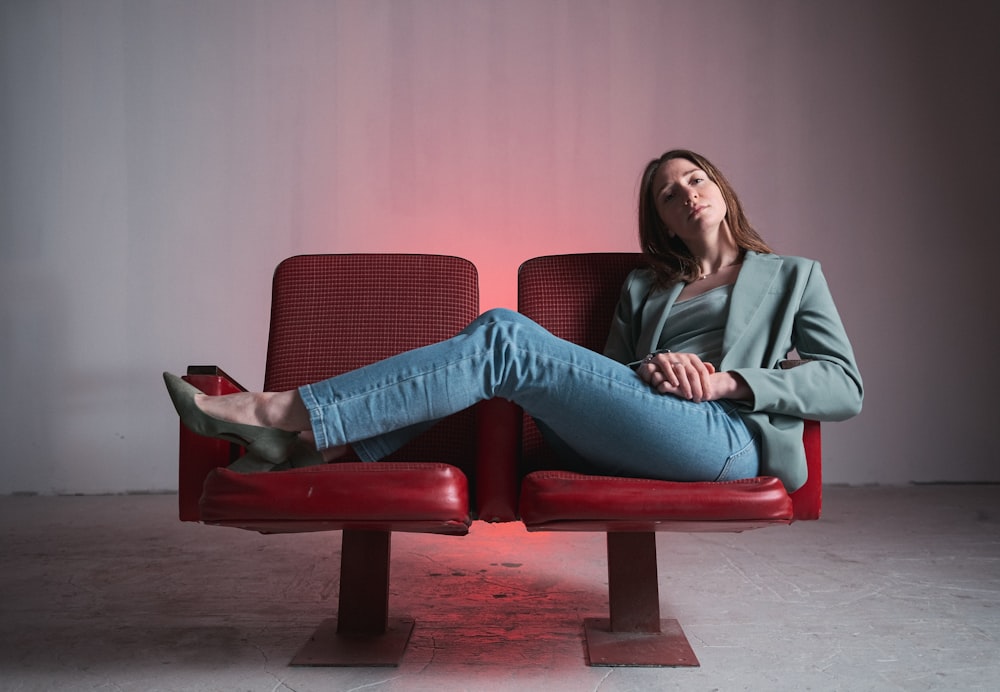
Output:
x=334 y=313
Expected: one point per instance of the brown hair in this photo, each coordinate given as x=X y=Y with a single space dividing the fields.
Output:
x=669 y=257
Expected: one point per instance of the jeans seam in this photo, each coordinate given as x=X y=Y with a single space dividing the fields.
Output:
x=730 y=461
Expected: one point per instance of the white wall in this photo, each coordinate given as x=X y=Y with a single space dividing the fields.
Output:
x=158 y=158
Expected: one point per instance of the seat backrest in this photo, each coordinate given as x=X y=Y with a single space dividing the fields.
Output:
x=574 y=296
x=334 y=313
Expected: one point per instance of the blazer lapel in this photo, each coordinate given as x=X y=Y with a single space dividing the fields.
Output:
x=752 y=284
x=654 y=316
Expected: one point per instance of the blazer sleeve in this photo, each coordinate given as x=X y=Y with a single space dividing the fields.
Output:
x=827 y=386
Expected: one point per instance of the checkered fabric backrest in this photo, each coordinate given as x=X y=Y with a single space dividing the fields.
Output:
x=574 y=297
x=334 y=313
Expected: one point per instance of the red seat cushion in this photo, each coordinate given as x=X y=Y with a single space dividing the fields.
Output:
x=560 y=500
x=394 y=496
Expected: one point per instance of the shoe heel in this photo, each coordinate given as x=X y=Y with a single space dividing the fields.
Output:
x=273 y=449
x=251 y=463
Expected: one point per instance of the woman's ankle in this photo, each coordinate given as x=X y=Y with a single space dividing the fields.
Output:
x=333 y=453
x=284 y=411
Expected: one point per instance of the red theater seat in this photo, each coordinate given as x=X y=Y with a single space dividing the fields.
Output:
x=334 y=313
x=574 y=296
x=330 y=314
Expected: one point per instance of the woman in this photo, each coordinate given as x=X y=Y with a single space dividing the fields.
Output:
x=692 y=386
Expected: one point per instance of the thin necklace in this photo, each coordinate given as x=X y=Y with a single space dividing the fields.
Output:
x=739 y=260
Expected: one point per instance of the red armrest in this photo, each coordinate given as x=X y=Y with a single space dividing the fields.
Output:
x=808 y=500
x=498 y=440
x=199 y=455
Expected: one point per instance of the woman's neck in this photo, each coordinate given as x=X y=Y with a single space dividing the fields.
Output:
x=720 y=262
x=721 y=269
x=718 y=252
x=715 y=249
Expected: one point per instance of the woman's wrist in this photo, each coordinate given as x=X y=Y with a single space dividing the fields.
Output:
x=730 y=385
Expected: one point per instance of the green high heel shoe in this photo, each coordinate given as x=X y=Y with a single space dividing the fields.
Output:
x=251 y=463
x=268 y=444
x=301 y=454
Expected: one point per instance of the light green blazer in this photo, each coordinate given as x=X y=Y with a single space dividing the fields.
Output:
x=777 y=304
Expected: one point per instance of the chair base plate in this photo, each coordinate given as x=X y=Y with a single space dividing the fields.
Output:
x=327 y=647
x=667 y=648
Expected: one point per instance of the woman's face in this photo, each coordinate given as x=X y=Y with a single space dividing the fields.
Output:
x=687 y=200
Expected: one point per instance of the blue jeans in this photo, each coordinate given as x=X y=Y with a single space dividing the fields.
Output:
x=586 y=405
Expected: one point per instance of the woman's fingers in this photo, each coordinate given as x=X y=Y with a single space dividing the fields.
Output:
x=688 y=380
x=652 y=376
x=681 y=374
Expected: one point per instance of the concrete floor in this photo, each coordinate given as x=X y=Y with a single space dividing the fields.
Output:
x=894 y=589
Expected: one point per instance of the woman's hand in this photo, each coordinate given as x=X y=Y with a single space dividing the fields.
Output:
x=686 y=376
